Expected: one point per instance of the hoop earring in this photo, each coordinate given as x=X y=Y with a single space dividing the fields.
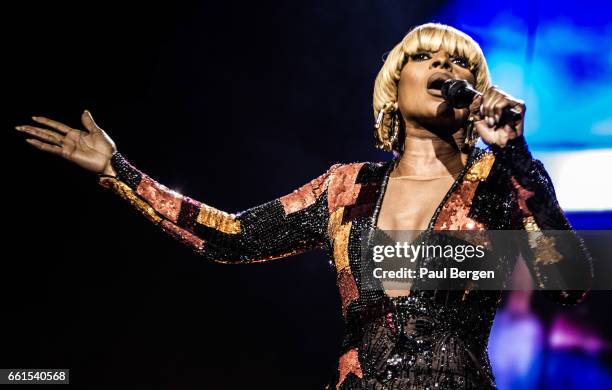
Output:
x=387 y=136
x=378 y=126
x=394 y=129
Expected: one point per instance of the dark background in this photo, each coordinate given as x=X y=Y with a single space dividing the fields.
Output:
x=231 y=104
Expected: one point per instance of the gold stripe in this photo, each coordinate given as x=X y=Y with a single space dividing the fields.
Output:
x=219 y=220
x=335 y=219
x=544 y=246
x=124 y=191
x=340 y=235
x=530 y=224
x=481 y=169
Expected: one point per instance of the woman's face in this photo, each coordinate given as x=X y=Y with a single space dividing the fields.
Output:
x=419 y=96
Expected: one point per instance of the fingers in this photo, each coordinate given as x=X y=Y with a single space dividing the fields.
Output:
x=88 y=121
x=53 y=149
x=475 y=106
x=493 y=104
x=490 y=135
x=62 y=128
x=489 y=99
x=498 y=108
x=484 y=130
x=46 y=135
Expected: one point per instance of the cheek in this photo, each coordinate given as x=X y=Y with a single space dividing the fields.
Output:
x=469 y=77
x=407 y=86
x=408 y=91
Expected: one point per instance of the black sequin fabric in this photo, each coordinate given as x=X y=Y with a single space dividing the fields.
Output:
x=429 y=339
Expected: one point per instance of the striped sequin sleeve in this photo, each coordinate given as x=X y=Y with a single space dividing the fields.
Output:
x=556 y=256
x=285 y=226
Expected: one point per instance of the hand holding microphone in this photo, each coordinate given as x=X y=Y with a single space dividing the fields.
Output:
x=498 y=116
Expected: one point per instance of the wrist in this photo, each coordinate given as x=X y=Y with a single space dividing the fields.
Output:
x=109 y=170
x=515 y=155
x=124 y=171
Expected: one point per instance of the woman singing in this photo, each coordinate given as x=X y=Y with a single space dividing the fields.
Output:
x=395 y=338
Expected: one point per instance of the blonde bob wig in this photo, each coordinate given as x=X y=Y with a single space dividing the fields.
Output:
x=426 y=37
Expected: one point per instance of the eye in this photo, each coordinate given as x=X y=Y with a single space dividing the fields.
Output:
x=420 y=56
x=461 y=61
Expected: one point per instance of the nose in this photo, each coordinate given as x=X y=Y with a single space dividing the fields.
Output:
x=441 y=61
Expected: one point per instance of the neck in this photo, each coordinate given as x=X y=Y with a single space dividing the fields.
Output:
x=430 y=153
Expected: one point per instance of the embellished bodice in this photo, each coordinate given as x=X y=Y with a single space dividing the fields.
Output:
x=428 y=337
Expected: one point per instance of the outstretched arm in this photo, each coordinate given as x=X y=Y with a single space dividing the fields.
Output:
x=282 y=227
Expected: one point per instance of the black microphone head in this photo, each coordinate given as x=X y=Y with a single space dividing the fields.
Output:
x=458 y=93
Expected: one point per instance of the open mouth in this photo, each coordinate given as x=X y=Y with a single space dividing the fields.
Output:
x=435 y=82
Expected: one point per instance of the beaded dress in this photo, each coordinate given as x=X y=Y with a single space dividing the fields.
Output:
x=427 y=339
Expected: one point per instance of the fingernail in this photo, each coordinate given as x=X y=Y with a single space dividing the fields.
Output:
x=490 y=121
x=34 y=117
x=497 y=118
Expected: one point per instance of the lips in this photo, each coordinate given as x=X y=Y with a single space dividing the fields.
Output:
x=435 y=82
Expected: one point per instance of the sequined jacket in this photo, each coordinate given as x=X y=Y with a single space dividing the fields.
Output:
x=435 y=339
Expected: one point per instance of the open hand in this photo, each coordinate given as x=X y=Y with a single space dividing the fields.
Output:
x=91 y=148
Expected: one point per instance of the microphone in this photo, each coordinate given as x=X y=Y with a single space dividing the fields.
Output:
x=459 y=94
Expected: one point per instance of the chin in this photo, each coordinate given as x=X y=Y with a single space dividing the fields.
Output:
x=446 y=120
x=443 y=110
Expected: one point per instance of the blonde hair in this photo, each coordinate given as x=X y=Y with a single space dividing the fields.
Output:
x=426 y=37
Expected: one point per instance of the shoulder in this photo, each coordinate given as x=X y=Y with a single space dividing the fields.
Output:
x=354 y=173
x=358 y=168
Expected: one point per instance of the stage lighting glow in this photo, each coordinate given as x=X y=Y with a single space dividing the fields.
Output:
x=581 y=178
